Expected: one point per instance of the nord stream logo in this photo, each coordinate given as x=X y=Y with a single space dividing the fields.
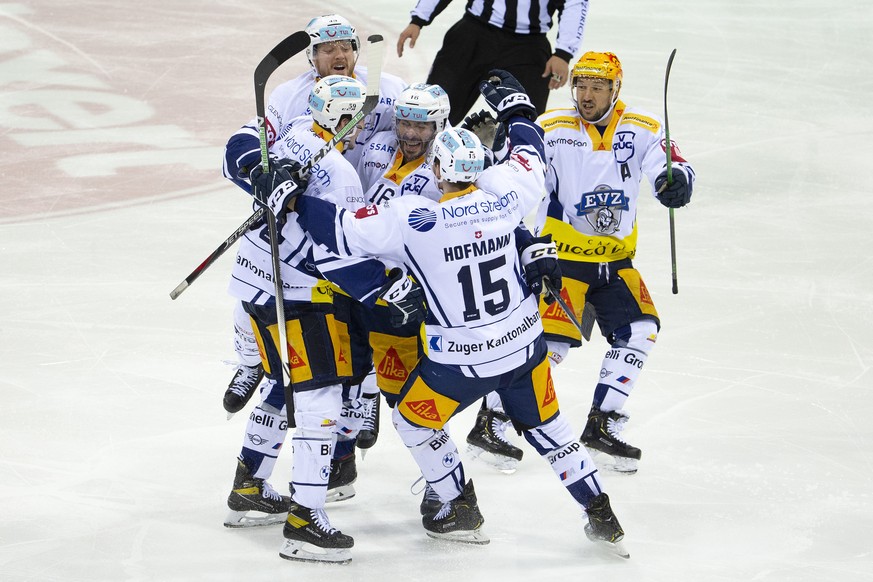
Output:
x=422 y=219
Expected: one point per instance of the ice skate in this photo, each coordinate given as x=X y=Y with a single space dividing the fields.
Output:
x=603 y=434
x=430 y=501
x=487 y=441
x=603 y=526
x=343 y=473
x=309 y=537
x=253 y=502
x=370 y=430
x=459 y=520
x=242 y=387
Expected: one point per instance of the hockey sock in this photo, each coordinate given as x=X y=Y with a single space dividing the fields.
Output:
x=493 y=402
x=315 y=413
x=623 y=363
x=265 y=433
x=368 y=386
x=436 y=455
x=343 y=448
x=557 y=351
x=556 y=443
x=244 y=342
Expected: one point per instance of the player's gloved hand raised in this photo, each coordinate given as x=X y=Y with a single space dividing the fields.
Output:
x=539 y=258
x=675 y=195
x=506 y=96
x=404 y=297
x=483 y=125
x=278 y=187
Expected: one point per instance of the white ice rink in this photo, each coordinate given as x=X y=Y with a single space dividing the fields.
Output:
x=754 y=411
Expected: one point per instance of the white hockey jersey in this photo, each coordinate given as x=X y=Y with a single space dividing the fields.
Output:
x=333 y=179
x=462 y=250
x=593 y=180
x=385 y=176
x=291 y=100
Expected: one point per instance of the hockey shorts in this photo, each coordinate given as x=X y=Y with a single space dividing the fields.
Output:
x=317 y=354
x=616 y=290
x=374 y=341
x=436 y=392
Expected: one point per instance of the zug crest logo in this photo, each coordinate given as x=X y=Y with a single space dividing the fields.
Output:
x=435 y=343
x=623 y=146
x=603 y=208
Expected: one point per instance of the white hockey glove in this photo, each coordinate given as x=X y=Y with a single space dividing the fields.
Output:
x=539 y=258
x=404 y=297
x=278 y=187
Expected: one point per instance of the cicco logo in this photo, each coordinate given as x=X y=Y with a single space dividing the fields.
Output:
x=422 y=219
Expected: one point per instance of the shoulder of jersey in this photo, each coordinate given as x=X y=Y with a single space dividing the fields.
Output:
x=641 y=118
x=553 y=119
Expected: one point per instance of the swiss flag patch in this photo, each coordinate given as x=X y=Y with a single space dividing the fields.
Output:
x=368 y=210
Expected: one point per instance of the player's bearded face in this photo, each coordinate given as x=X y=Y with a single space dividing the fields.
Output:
x=334 y=58
x=593 y=98
x=414 y=137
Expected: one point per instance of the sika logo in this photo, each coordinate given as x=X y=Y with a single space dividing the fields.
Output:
x=425 y=409
x=550 y=392
x=422 y=219
x=392 y=367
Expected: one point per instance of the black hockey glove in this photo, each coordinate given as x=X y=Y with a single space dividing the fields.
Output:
x=539 y=258
x=404 y=297
x=483 y=125
x=675 y=195
x=506 y=96
x=278 y=187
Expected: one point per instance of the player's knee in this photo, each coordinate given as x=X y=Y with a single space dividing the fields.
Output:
x=411 y=435
x=319 y=408
x=638 y=335
x=551 y=436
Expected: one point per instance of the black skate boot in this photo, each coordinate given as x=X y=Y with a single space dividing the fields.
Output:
x=309 y=537
x=603 y=526
x=370 y=430
x=603 y=433
x=343 y=473
x=430 y=501
x=242 y=387
x=487 y=441
x=253 y=502
x=459 y=520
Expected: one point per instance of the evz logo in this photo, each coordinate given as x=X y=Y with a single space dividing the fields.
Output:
x=603 y=208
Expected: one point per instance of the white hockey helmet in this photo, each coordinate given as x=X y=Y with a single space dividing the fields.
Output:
x=422 y=102
x=330 y=28
x=460 y=154
x=333 y=97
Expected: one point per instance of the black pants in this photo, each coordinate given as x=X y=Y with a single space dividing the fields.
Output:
x=471 y=48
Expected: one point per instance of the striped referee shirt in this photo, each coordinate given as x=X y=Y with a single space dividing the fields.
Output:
x=520 y=17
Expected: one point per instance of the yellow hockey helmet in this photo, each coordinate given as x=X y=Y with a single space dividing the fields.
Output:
x=598 y=66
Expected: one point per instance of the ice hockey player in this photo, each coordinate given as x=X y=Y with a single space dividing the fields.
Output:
x=597 y=154
x=317 y=346
x=334 y=49
x=483 y=330
x=393 y=164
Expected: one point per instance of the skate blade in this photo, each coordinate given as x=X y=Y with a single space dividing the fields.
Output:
x=620 y=465
x=475 y=537
x=239 y=519
x=618 y=548
x=341 y=493
x=506 y=465
x=305 y=552
x=230 y=415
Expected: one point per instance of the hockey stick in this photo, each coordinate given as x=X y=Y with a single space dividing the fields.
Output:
x=589 y=315
x=268 y=65
x=669 y=150
x=292 y=45
x=372 y=100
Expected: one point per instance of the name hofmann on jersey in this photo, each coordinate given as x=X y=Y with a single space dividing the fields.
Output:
x=476 y=249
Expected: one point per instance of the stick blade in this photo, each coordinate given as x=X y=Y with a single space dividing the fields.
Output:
x=283 y=51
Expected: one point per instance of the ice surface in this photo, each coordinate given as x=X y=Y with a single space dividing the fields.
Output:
x=753 y=411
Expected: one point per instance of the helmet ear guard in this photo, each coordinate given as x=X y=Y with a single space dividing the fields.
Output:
x=334 y=97
x=460 y=155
